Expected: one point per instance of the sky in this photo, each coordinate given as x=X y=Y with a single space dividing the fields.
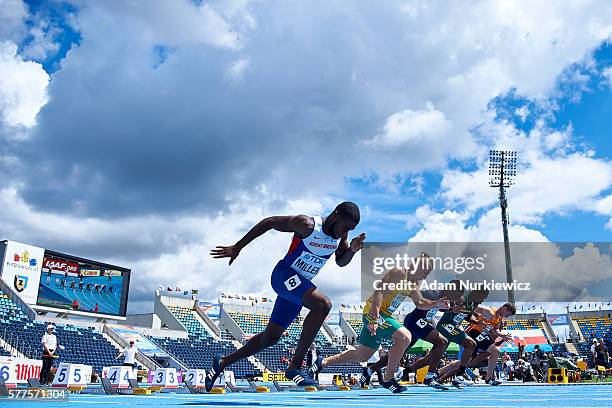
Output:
x=146 y=135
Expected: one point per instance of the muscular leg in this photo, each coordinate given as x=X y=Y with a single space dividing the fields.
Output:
x=380 y=364
x=360 y=354
x=493 y=358
x=401 y=340
x=319 y=306
x=432 y=359
x=261 y=341
x=480 y=357
x=452 y=367
x=468 y=345
x=439 y=343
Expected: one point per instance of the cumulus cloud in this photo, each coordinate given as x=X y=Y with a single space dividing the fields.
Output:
x=412 y=127
x=175 y=251
x=13 y=14
x=126 y=138
x=23 y=87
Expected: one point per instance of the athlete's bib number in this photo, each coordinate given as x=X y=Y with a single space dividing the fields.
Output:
x=293 y=282
x=481 y=337
x=421 y=323
x=449 y=328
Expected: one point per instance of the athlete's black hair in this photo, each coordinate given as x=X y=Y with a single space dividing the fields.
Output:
x=348 y=209
x=510 y=308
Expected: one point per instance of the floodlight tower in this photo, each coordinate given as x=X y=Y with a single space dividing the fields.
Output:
x=502 y=171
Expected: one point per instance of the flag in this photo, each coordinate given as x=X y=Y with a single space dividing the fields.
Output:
x=185 y=292
x=195 y=292
x=177 y=289
x=169 y=289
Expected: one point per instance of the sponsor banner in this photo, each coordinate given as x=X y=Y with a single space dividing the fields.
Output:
x=62 y=265
x=25 y=367
x=90 y=272
x=557 y=319
x=21 y=269
x=269 y=377
x=112 y=272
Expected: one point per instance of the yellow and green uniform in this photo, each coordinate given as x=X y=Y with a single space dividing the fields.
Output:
x=387 y=325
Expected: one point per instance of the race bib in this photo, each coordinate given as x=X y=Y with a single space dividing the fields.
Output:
x=293 y=282
x=396 y=302
x=421 y=323
x=308 y=265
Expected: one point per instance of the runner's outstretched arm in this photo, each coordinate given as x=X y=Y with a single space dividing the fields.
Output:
x=301 y=225
x=424 y=304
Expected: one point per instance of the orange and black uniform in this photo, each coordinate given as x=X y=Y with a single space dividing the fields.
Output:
x=480 y=331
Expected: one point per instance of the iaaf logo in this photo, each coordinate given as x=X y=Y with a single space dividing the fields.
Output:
x=61 y=265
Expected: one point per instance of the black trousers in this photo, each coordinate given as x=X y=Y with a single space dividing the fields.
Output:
x=46 y=369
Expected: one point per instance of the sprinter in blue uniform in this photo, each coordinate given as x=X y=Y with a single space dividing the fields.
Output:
x=315 y=239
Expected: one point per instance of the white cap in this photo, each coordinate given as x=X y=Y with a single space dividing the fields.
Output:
x=50 y=327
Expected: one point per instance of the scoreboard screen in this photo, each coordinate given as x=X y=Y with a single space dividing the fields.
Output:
x=82 y=285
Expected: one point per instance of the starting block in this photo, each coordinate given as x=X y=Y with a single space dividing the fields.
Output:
x=120 y=376
x=310 y=388
x=72 y=375
x=195 y=377
x=76 y=388
x=142 y=391
x=344 y=388
x=8 y=372
x=164 y=378
x=217 y=390
x=262 y=388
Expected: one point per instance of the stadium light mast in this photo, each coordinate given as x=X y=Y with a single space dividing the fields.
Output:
x=502 y=172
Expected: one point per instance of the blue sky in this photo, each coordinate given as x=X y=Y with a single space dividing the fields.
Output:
x=185 y=123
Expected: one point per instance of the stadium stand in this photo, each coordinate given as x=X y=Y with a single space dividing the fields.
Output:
x=83 y=345
x=186 y=318
x=522 y=324
x=595 y=326
x=559 y=349
x=276 y=357
x=198 y=350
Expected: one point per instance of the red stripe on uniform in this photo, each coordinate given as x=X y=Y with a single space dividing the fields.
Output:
x=294 y=244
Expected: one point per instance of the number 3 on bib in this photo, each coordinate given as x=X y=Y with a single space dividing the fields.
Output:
x=293 y=282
